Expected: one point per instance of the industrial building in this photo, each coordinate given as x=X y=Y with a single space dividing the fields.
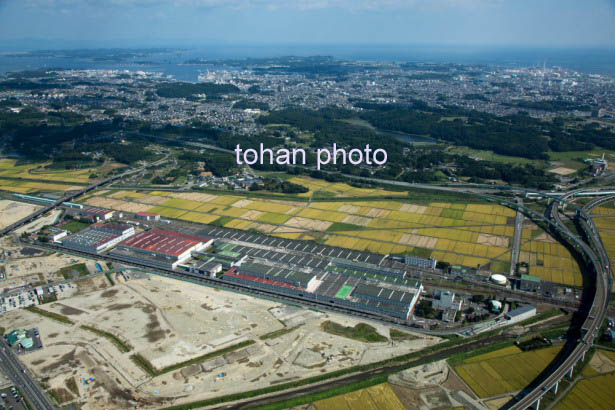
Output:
x=520 y=314
x=233 y=276
x=598 y=166
x=55 y=234
x=46 y=201
x=398 y=302
x=147 y=216
x=529 y=283
x=210 y=267
x=166 y=249
x=19 y=337
x=91 y=241
x=274 y=273
x=98 y=237
x=446 y=300
x=124 y=230
x=99 y=214
x=15 y=336
x=457 y=270
x=366 y=267
x=423 y=263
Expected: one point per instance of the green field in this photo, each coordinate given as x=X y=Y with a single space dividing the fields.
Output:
x=361 y=332
x=74 y=226
x=344 y=292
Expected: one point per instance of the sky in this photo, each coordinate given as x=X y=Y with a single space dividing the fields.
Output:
x=110 y=23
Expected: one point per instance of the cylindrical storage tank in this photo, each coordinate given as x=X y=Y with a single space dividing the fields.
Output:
x=498 y=279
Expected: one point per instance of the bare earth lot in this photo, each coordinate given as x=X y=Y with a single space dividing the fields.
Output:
x=169 y=321
x=22 y=270
x=12 y=211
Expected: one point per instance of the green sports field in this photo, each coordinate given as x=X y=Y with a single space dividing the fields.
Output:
x=344 y=292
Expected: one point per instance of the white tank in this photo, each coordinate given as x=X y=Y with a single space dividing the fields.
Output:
x=496 y=305
x=498 y=279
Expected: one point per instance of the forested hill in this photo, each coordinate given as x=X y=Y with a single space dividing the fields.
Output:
x=517 y=135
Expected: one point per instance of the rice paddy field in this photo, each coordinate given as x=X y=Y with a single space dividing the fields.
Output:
x=464 y=234
x=26 y=187
x=321 y=188
x=548 y=259
x=604 y=218
x=34 y=177
x=9 y=168
x=379 y=397
x=505 y=370
x=591 y=393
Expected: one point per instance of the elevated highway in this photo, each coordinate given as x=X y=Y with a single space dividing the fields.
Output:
x=68 y=198
x=597 y=260
x=592 y=251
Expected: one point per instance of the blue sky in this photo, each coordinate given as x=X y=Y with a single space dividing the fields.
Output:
x=442 y=22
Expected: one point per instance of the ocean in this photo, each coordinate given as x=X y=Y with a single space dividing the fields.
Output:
x=586 y=60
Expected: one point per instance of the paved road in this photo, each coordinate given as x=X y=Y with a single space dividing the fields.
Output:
x=23 y=379
x=517 y=238
x=596 y=257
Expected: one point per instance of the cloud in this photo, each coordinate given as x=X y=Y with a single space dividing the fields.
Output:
x=356 y=5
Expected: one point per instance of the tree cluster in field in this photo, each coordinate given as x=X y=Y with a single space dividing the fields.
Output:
x=279 y=185
x=218 y=163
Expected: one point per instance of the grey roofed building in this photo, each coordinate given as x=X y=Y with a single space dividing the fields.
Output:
x=529 y=283
x=367 y=267
x=384 y=295
x=91 y=240
x=425 y=263
x=389 y=308
x=140 y=258
x=521 y=313
x=461 y=270
x=209 y=267
x=291 y=277
x=114 y=227
x=445 y=299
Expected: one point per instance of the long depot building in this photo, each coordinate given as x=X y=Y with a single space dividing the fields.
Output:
x=335 y=288
x=98 y=237
x=161 y=248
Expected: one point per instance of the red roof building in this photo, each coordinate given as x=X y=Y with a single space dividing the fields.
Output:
x=166 y=244
x=148 y=216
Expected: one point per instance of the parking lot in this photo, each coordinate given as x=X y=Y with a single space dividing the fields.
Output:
x=29 y=296
x=11 y=399
x=25 y=298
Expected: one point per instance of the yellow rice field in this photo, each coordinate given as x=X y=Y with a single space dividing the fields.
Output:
x=548 y=259
x=506 y=373
x=37 y=171
x=379 y=397
x=340 y=189
x=24 y=187
x=592 y=393
x=507 y=351
x=466 y=234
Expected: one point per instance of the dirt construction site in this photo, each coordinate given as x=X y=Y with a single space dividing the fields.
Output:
x=168 y=322
x=13 y=211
